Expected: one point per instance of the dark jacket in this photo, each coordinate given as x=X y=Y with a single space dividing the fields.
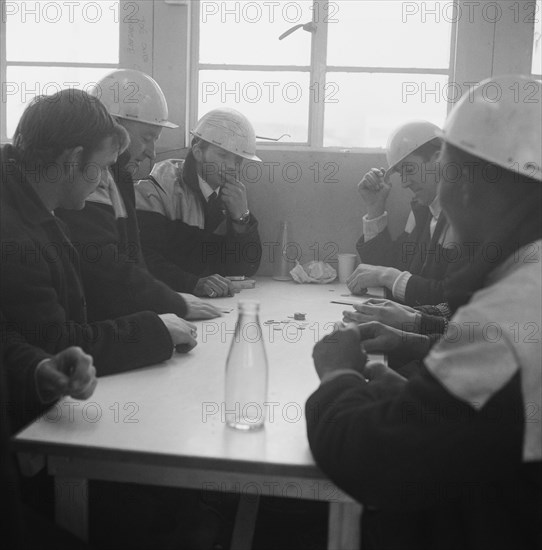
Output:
x=20 y=361
x=451 y=458
x=180 y=253
x=24 y=361
x=41 y=292
x=115 y=277
x=22 y=527
x=432 y=473
x=427 y=264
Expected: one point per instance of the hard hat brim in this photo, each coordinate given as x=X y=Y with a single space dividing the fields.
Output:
x=251 y=157
x=168 y=124
x=393 y=168
x=246 y=156
x=165 y=124
x=468 y=148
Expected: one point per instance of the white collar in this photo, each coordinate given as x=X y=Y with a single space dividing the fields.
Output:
x=206 y=189
x=108 y=193
x=435 y=208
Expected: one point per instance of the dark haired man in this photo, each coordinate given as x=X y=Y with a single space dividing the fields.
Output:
x=105 y=232
x=411 y=267
x=63 y=145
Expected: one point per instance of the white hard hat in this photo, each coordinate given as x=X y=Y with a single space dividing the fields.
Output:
x=406 y=139
x=230 y=130
x=500 y=121
x=133 y=95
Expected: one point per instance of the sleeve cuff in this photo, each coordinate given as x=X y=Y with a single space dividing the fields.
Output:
x=444 y=310
x=398 y=289
x=341 y=372
x=44 y=399
x=371 y=228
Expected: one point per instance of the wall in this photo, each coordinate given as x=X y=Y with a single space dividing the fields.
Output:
x=316 y=193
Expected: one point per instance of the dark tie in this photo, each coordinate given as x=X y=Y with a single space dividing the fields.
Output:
x=213 y=212
x=422 y=246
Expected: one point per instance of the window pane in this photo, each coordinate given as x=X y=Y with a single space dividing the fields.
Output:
x=74 y=31
x=537 y=46
x=388 y=33
x=276 y=103
x=24 y=83
x=248 y=32
x=367 y=107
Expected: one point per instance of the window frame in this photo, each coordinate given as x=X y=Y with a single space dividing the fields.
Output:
x=4 y=64
x=537 y=20
x=318 y=69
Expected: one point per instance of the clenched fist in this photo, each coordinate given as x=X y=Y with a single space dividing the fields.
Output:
x=374 y=190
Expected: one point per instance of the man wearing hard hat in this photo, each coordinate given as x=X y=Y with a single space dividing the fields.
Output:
x=194 y=214
x=452 y=458
x=116 y=279
x=411 y=267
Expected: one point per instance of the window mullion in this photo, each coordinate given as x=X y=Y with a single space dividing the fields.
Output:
x=318 y=76
x=3 y=71
x=193 y=69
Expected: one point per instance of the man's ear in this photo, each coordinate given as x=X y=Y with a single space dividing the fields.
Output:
x=435 y=156
x=197 y=152
x=72 y=156
x=466 y=191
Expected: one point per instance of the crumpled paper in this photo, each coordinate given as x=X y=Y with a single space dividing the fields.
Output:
x=313 y=272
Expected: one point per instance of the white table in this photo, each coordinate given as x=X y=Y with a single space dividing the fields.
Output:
x=163 y=425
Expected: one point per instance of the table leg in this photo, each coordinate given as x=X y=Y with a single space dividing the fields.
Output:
x=344 y=526
x=71 y=505
x=245 y=522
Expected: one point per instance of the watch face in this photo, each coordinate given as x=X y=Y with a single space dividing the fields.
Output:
x=244 y=219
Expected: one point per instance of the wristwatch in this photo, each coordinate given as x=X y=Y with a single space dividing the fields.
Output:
x=244 y=219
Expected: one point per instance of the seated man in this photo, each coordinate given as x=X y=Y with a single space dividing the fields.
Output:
x=61 y=147
x=30 y=381
x=413 y=266
x=194 y=214
x=105 y=232
x=452 y=458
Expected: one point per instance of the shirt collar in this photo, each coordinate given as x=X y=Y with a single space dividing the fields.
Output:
x=205 y=188
x=435 y=208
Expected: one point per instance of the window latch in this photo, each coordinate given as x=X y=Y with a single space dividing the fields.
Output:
x=273 y=139
x=309 y=27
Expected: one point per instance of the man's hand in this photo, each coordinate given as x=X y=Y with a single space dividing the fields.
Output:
x=386 y=312
x=378 y=372
x=214 y=286
x=366 y=275
x=69 y=372
x=183 y=334
x=339 y=350
x=379 y=338
x=234 y=197
x=374 y=191
x=198 y=309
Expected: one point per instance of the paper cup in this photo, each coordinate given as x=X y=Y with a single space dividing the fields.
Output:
x=347 y=264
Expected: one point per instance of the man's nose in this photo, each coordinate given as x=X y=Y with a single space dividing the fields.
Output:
x=406 y=181
x=150 y=151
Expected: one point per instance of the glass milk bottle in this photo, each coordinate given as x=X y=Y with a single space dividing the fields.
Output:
x=246 y=372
